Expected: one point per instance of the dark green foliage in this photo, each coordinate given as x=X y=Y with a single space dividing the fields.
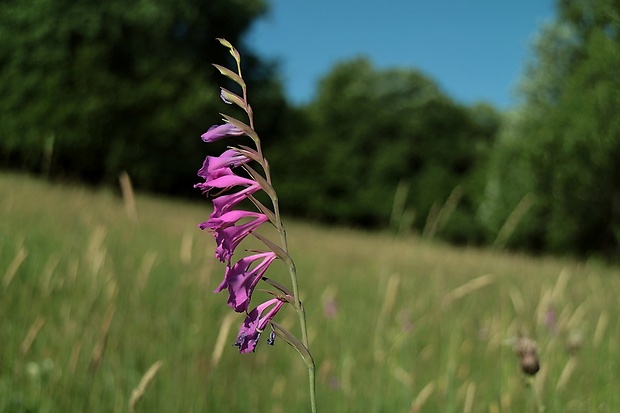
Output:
x=93 y=88
x=563 y=145
x=371 y=130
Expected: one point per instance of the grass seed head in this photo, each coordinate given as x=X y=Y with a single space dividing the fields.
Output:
x=526 y=350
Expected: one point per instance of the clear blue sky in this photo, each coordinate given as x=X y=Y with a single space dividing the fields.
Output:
x=474 y=49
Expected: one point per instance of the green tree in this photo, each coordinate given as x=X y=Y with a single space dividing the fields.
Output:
x=563 y=144
x=100 y=87
x=371 y=131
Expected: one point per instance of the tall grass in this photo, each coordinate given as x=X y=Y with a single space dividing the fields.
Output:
x=105 y=312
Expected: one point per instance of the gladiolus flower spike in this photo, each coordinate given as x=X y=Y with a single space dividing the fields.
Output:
x=228 y=181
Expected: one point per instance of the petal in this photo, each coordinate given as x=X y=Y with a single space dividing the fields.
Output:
x=227 y=234
x=254 y=324
x=213 y=165
x=229 y=238
x=225 y=182
x=241 y=281
x=225 y=203
x=228 y=219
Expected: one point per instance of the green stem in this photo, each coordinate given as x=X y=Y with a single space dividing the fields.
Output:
x=292 y=270
x=301 y=313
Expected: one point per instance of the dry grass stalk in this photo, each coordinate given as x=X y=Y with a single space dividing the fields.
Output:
x=128 y=196
x=540 y=380
x=601 y=326
x=99 y=349
x=566 y=373
x=278 y=387
x=145 y=381
x=438 y=219
x=96 y=253
x=46 y=275
x=388 y=304
x=517 y=300
x=560 y=286
x=468 y=288
x=33 y=331
x=469 y=397
x=222 y=336
x=185 y=255
x=402 y=375
x=513 y=220
x=145 y=270
x=325 y=370
x=75 y=356
x=431 y=220
x=401 y=217
x=577 y=318
x=422 y=397
x=544 y=304
x=348 y=365
x=14 y=266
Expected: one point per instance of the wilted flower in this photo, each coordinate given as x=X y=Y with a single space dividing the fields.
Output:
x=255 y=323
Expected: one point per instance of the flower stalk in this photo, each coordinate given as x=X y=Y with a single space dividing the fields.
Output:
x=231 y=225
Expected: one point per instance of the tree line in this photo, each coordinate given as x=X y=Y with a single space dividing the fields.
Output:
x=91 y=89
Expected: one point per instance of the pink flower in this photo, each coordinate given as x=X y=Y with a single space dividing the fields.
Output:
x=227 y=234
x=227 y=180
x=255 y=323
x=224 y=203
x=217 y=132
x=217 y=172
x=240 y=280
x=216 y=166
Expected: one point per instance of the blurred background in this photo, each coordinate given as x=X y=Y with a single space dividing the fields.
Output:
x=486 y=124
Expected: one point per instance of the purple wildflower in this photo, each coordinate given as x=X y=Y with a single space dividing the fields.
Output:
x=227 y=234
x=227 y=180
x=217 y=132
x=255 y=323
x=216 y=166
x=224 y=203
x=240 y=280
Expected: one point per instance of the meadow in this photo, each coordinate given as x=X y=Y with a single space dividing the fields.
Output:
x=96 y=290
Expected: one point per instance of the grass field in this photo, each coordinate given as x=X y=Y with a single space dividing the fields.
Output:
x=91 y=298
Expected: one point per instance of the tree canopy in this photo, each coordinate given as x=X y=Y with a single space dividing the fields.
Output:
x=562 y=145
x=373 y=131
x=93 y=88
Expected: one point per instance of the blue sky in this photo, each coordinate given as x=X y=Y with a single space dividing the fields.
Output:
x=474 y=49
